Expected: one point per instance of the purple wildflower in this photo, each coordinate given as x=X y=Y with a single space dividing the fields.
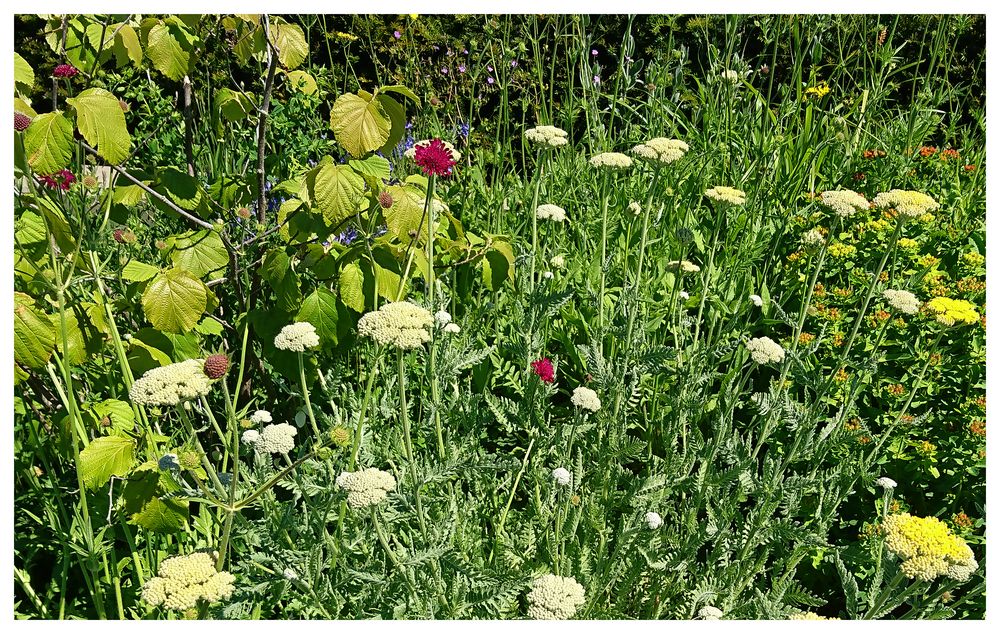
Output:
x=489 y=80
x=593 y=52
x=461 y=68
x=597 y=80
x=397 y=34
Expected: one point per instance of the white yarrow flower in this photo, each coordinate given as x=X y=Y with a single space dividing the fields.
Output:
x=297 y=337
x=366 y=487
x=442 y=317
x=903 y=301
x=554 y=598
x=586 y=398
x=764 y=350
x=757 y=300
x=886 y=483
x=710 y=613
x=561 y=476
x=279 y=438
x=171 y=384
x=250 y=437
x=653 y=520
x=452 y=328
x=260 y=416
x=557 y=261
x=548 y=211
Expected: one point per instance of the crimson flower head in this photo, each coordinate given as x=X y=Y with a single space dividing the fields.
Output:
x=21 y=121
x=60 y=180
x=544 y=370
x=64 y=70
x=435 y=158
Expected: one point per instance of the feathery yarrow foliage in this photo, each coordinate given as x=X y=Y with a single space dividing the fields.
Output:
x=171 y=384
x=398 y=324
x=183 y=580
x=844 y=202
x=951 y=312
x=554 y=598
x=366 y=487
x=611 y=160
x=297 y=337
x=903 y=301
x=727 y=195
x=764 y=350
x=547 y=135
x=548 y=211
x=661 y=150
x=586 y=399
x=928 y=548
x=906 y=202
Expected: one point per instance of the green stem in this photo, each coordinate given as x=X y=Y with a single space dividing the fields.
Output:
x=407 y=442
x=305 y=395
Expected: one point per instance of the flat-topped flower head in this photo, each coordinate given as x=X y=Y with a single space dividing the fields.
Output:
x=928 y=548
x=661 y=150
x=277 y=439
x=171 y=384
x=554 y=598
x=562 y=476
x=435 y=158
x=710 y=613
x=903 y=301
x=952 y=312
x=886 y=483
x=398 y=324
x=184 y=580
x=260 y=416
x=764 y=350
x=548 y=211
x=547 y=136
x=813 y=238
x=611 y=161
x=366 y=487
x=653 y=520
x=586 y=399
x=683 y=266
x=297 y=337
x=907 y=203
x=810 y=616
x=844 y=202
x=727 y=195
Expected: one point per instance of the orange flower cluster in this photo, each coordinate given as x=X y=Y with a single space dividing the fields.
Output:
x=872 y=154
x=978 y=427
x=928 y=150
x=896 y=389
x=949 y=154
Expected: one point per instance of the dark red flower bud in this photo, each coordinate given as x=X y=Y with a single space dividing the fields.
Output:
x=385 y=199
x=216 y=366
x=64 y=70
x=21 y=121
x=544 y=370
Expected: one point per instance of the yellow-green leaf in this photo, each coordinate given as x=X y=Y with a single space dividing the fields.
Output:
x=48 y=142
x=174 y=300
x=335 y=190
x=24 y=76
x=105 y=457
x=290 y=42
x=360 y=123
x=101 y=121
x=34 y=334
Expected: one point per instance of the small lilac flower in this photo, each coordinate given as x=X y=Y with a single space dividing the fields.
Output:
x=489 y=68
x=461 y=68
x=593 y=52
x=597 y=80
x=463 y=129
x=465 y=51
x=397 y=34
x=513 y=64
x=449 y=53
x=489 y=80
x=444 y=71
x=347 y=236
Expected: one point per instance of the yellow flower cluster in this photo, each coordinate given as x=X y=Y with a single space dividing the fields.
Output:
x=841 y=250
x=844 y=202
x=548 y=135
x=185 y=579
x=819 y=90
x=611 y=160
x=973 y=259
x=171 y=384
x=728 y=195
x=928 y=548
x=906 y=202
x=908 y=244
x=952 y=311
x=398 y=324
x=810 y=616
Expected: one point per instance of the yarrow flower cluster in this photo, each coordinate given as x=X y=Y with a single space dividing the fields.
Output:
x=764 y=350
x=661 y=150
x=435 y=157
x=562 y=476
x=586 y=398
x=366 y=487
x=544 y=369
x=653 y=520
x=399 y=324
x=809 y=616
x=554 y=598
x=635 y=208
x=928 y=548
x=171 y=384
x=183 y=580
x=442 y=317
x=906 y=202
x=727 y=195
x=297 y=337
x=683 y=266
x=903 y=301
x=886 y=483
x=951 y=312
x=757 y=300
x=710 y=613
x=557 y=261
x=813 y=239
x=548 y=211
x=611 y=160
x=277 y=439
x=452 y=328
x=260 y=416
x=547 y=135
x=844 y=202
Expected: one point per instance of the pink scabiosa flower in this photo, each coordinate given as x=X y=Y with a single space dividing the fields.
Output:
x=434 y=159
x=64 y=70
x=544 y=370
x=21 y=121
x=60 y=180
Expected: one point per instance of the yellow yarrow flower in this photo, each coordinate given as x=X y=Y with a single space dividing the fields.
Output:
x=951 y=312
x=928 y=548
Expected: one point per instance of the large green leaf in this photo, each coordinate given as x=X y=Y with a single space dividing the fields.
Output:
x=34 y=334
x=136 y=271
x=276 y=269
x=374 y=165
x=174 y=300
x=199 y=252
x=169 y=47
x=301 y=81
x=111 y=414
x=336 y=190
x=406 y=214
x=360 y=122
x=352 y=287
x=75 y=352
x=24 y=76
x=290 y=42
x=126 y=47
x=182 y=189
x=233 y=105
x=101 y=121
x=498 y=265
x=320 y=310
x=48 y=142
x=105 y=457
x=162 y=515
